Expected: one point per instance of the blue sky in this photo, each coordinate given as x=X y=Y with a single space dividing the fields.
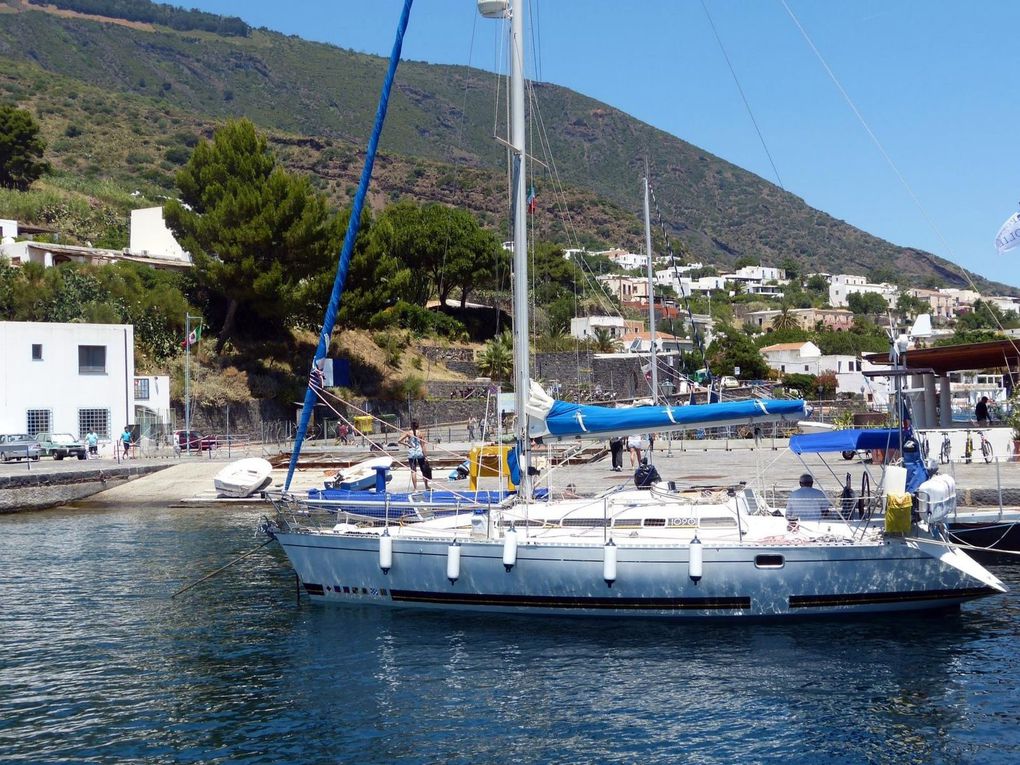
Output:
x=934 y=79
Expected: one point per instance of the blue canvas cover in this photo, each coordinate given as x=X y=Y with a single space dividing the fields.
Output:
x=846 y=440
x=567 y=419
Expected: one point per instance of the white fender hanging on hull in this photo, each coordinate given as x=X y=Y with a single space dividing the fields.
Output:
x=694 y=565
x=510 y=549
x=609 y=562
x=453 y=562
x=386 y=552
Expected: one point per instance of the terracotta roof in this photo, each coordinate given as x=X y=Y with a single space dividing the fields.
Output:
x=784 y=347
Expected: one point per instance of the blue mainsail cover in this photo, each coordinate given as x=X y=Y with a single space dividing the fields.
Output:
x=846 y=441
x=565 y=420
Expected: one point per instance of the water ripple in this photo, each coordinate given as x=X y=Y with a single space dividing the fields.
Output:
x=99 y=665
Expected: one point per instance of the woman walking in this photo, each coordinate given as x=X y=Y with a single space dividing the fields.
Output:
x=416 y=459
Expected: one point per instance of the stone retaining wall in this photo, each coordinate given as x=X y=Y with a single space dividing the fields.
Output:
x=40 y=489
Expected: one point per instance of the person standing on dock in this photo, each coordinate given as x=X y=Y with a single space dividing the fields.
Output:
x=92 y=441
x=616 y=450
x=125 y=440
x=416 y=459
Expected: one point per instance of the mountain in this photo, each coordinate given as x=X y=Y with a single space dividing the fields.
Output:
x=122 y=100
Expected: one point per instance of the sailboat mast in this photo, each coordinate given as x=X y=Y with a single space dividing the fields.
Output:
x=522 y=371
x=651 y=297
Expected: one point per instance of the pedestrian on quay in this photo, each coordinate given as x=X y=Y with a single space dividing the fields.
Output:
x=616 y=450
x=416 y=457
x=472 y=424
x=125 y=440
x=635 y=444
x=92 y=442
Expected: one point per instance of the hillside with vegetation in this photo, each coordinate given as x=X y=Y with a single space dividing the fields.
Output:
x=121 y=102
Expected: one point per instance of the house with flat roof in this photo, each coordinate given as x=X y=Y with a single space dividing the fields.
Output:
x=70 y=378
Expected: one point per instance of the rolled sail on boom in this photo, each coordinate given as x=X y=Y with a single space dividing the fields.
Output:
x=556 y=420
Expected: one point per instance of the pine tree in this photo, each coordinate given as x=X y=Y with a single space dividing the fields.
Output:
x=21 y=149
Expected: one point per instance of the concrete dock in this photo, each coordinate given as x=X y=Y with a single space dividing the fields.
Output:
x=187 y=480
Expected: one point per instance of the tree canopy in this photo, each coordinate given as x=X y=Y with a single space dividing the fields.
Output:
x=254 y=230
x=21 y=149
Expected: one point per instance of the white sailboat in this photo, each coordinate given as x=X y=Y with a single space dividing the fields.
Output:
x=648 y=553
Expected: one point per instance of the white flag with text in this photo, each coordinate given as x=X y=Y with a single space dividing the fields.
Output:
x=1009 y=235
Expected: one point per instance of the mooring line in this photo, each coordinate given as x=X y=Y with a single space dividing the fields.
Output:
x=222 y=568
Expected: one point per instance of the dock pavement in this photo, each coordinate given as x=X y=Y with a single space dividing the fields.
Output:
x=771 y=466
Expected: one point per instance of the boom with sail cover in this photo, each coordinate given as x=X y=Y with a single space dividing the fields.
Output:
x=549 y=418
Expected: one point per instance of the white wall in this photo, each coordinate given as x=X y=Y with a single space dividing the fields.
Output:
x=150 y=236
x=55 y=383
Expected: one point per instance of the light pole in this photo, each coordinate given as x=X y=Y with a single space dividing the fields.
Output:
x=187 y=379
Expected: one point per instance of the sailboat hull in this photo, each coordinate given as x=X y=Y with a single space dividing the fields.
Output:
x=652 y=581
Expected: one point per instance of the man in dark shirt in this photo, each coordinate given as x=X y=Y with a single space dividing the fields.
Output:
x=981 y=411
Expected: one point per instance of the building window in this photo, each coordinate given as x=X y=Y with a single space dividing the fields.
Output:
x=37 y=421
x=92 y=359
x=141 y=389
x=36 y=351
x=94 y=419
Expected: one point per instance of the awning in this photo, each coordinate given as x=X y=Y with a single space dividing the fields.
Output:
x=845 y=441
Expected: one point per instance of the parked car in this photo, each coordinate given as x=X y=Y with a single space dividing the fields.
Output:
x=194 y=441
x=18 y=446
x=60 y=445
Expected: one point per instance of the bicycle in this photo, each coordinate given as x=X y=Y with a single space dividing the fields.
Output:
x=986 y=447
x=946 y=452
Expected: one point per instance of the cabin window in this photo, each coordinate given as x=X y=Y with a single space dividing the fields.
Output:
x=36 y=351
x=768 y=561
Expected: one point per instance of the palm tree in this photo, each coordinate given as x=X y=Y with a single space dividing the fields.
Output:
x=497 y=359
x=785 y=320
x=603 y=341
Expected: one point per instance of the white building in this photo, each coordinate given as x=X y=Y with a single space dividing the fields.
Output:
x=841 y=286
x=150 y=236
x=152 y=244
x=584 y=327
x=69 y=378
x=624 y=259
x=807 y=358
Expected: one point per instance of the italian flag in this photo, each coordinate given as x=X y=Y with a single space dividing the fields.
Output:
x=191 y=339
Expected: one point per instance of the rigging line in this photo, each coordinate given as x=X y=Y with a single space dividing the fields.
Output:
x=687 y=303
x=559 y=196
x=743 y=96
x=951 y=255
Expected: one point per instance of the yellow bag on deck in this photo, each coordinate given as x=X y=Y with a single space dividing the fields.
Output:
x=897 y=513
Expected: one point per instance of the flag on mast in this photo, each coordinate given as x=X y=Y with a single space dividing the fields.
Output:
x=1008 y=237
x=193 y=338
x=532 y=201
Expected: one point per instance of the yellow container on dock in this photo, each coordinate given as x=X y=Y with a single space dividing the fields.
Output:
x=897 y=513
x=489 y=461
x=363 y=424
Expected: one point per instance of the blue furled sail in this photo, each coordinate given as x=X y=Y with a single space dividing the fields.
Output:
x=316 y=378
x=551 y=419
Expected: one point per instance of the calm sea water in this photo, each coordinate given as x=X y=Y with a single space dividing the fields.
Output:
x=99 y=665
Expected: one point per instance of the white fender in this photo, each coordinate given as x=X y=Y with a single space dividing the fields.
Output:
x=453 y=562
x=694 y=565
x=386 y=552
x=510 y=549
x=609 y=562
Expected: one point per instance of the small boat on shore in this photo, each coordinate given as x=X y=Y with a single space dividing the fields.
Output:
x=243 y=478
